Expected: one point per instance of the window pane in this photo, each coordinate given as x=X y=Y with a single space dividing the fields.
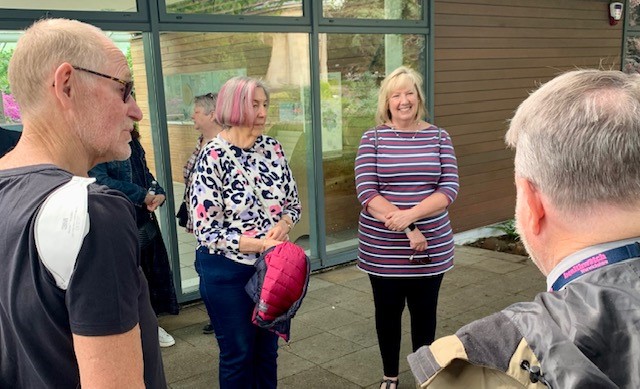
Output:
x=632 y=55
x=373 y=9
x=351 y=69
x=197 y=63
x=73 y=5
x=236 y=7
x=634 y=13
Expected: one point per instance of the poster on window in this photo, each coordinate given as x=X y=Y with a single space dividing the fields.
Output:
x=332 y=115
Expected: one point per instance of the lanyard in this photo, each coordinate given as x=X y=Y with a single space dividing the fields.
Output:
x=595 y=262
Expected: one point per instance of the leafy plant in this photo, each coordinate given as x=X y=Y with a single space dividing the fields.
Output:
x=509 y=229
x=360 y=94
x=5 y=56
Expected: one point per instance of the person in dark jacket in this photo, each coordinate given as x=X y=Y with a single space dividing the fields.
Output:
x=577 y=174
x=8 y=140
x=204 y=121
x=133 y=178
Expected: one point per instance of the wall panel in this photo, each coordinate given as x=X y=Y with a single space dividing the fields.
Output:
x=489 y=54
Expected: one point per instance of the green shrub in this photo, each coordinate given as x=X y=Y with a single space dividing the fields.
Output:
x=509 y=229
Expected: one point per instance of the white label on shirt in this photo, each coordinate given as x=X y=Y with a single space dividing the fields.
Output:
x=61 y=226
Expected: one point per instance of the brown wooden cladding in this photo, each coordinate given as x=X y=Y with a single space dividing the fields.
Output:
x=489 y=54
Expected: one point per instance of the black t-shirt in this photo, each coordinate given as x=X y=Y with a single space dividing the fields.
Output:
x=106 y=294
x=8 y=140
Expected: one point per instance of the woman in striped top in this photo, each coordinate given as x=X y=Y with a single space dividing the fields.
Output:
x=406 y=177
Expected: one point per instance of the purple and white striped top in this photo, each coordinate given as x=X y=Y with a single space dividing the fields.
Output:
x=406 y=168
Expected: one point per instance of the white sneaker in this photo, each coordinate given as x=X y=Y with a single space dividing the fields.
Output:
x=166 y=340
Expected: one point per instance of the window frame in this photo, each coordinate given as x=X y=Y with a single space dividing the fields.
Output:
x=14 y=18
x=166 y=17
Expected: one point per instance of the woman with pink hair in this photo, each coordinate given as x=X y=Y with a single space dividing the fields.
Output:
x=244 y=200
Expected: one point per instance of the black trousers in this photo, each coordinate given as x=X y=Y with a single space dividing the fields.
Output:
x=389 y=296
x=154 y=261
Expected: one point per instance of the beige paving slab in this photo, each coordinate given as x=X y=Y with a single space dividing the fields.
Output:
x=533 y=290
x=328 y=318
x=498 y=265
x=183 y=361
x=522 y=280
x=290 y=364
x=342 y=275
x=504 y=301
x=504 y=256
x=205 y=380
x=323 y=347
x=474 y=313
x=337 y=294
x=193 y=336
x=187 y=317
x=466 y=251
x=316 y=378
x=462 y=276
x=470 y=295
x=362 y=367
x=363 y=306
x=316 y=283
x=362 y=332
x=362 y=284
x=301 y=330
x=311 y=304
x=465 y=258
x=448 y=327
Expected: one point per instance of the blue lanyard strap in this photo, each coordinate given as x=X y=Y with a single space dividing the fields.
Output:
x=595 y=262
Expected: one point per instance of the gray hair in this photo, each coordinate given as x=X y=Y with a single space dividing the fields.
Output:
x=43 y=47
x=577 y=139
x=207 y=102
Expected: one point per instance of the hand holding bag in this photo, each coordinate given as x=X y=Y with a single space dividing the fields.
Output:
x=182 y=215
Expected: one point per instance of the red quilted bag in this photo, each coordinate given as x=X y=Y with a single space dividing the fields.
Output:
x=284 y=281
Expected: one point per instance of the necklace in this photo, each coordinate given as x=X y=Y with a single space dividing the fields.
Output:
x=395 y=131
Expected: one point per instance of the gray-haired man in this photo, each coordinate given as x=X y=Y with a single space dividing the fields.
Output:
x=577 y=173
x=74 y=304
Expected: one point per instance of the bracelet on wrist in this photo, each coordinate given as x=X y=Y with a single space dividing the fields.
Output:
x=289 y=225
x=264 y=245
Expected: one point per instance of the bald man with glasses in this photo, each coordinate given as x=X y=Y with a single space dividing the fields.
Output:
x=74 y=303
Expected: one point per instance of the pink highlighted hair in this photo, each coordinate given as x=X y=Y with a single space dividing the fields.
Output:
x=235 y=101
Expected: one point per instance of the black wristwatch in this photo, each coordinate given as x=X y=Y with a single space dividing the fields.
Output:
x=411 y=227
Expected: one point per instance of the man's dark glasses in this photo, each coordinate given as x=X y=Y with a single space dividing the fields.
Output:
x=128 y=85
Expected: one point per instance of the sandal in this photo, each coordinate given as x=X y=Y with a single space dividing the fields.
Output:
x=389 y=382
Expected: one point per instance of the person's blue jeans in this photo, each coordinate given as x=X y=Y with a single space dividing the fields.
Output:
x=247 y=353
